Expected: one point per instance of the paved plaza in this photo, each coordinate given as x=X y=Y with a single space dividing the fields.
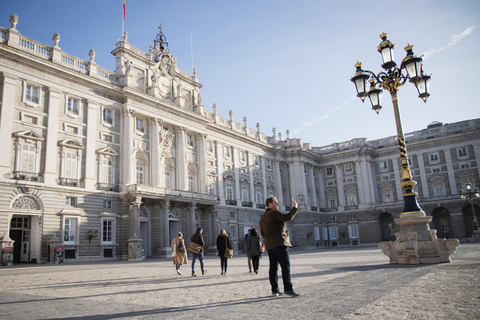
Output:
x=342 y=283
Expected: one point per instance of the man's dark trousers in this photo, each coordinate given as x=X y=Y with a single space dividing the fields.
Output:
x=279 y=255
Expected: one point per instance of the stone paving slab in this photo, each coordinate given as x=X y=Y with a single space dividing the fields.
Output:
x=341 y=283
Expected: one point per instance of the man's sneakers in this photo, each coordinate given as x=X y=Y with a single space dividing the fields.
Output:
x=276 y=294
x=178 y=271
x=292 y=294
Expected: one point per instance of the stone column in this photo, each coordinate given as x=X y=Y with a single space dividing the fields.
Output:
x=278 y=182
x=340 y=188
x=155 y=152
x=236 y=163
x=423 y=176
x=291 y=177
x=135 y=242
x=360 y=185
x=313 y=199
x=90 y=163
x=221 y=188
x=191 y=219
x=6 y=121
x=476 y=151
x=253 y=198
x=127 y=148
x=321 y=188
x=181 y=172
x=51 y=154
x=451 y=173
x=264 y=177
x=164 y=231
x=303 y=184
x=202 y=164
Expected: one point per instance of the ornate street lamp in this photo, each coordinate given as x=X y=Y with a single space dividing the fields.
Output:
x=470 y=195
x=415 y=241
x=391 y=79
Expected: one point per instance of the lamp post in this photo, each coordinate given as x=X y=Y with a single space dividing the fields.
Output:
x=470 y=195
x=415 y=240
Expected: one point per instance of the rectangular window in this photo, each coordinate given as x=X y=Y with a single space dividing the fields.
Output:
x=30 y=119
x=71 y=129
x=107 y=116
x=72 y=106
x=256 y=161
x=325 y=233
x=191 y=183
x=462 y=152
x=32 y=94
x=243 y=156
x=464 y=166
x=71 y=164
x=433 y=157
x=435 y=170
x=384 y=178
x=226 y=151
x=329 y=171
x=438 y=192
x=348 y=168
x=353 y=231
x=268 y=164
x=189 y=140
x=210 y=146
x=317 y=233
x=410 y=161
x=245 y=197
x=28 y=158
x=106 y=171
x=168 y=179
x=387 y=198
x=332 y=203
x=228 y=191
x=139 y=125
x=107 y=138
x=332 y=218
x=107 y=232
x=107 y=204
x=232 y=234
x=383 y=165
x=333 y=230
x=140 y=170
x=71 y=201
x=69 y=231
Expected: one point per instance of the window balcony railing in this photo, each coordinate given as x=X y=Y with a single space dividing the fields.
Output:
x=247 y=204
x=313 y=208
x=70 y=182
x=26 y=176
x=231 y=202
x=260 y=206
x=107 y=187
x=355 y=207
x=331 y=209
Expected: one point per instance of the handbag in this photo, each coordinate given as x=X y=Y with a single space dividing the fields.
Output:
x=181 y=247
x=194 y=247
x=228 y=252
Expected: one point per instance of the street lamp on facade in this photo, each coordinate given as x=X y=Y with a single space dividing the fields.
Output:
x=470 y=195
x=391 y=79
x=415 y=243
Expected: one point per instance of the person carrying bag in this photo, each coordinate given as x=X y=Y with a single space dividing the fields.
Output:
x=224 y=249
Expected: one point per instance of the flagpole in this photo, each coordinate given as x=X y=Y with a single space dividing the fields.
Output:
x=123 y=20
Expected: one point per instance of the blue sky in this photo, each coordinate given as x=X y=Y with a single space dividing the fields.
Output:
x=286 y=64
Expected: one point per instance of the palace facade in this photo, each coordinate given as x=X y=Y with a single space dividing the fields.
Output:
x=111 y=165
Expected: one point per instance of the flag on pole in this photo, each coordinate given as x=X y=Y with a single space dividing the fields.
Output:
x=123 y=10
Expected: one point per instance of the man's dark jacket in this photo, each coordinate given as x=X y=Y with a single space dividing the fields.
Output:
x=273 y=228
x=198 y=239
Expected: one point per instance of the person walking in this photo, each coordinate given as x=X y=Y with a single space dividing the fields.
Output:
x=254 y=249
x=179 y=252
x=276 y=237
x=198 y=239
x=246 y=248
x=223 y=242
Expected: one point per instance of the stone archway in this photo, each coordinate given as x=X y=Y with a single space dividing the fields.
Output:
x=441 y=222
x=387 y=227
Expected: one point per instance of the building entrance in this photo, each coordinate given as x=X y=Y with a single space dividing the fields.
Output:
x=20 y=233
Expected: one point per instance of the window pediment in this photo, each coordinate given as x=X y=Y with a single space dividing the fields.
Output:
x=29 y=135
x=72 y=144
x=108 y=151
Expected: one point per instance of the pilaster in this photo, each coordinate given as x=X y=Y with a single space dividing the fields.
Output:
x=340 y=187
x=423 y=176
x=51 y=155
x=90 y=164
x=451 y=173
x=6 y=120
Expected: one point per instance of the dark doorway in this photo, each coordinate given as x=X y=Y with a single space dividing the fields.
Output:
x=468 y=219
x=387 y=227
x=16 y=235
x=441 y=222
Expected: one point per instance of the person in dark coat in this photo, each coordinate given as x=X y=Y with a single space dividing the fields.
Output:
x=254 y=249
x=276 y=239
x=198 y=239
x=223 y=241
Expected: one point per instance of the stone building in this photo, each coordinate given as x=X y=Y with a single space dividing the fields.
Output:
x=112 y=164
